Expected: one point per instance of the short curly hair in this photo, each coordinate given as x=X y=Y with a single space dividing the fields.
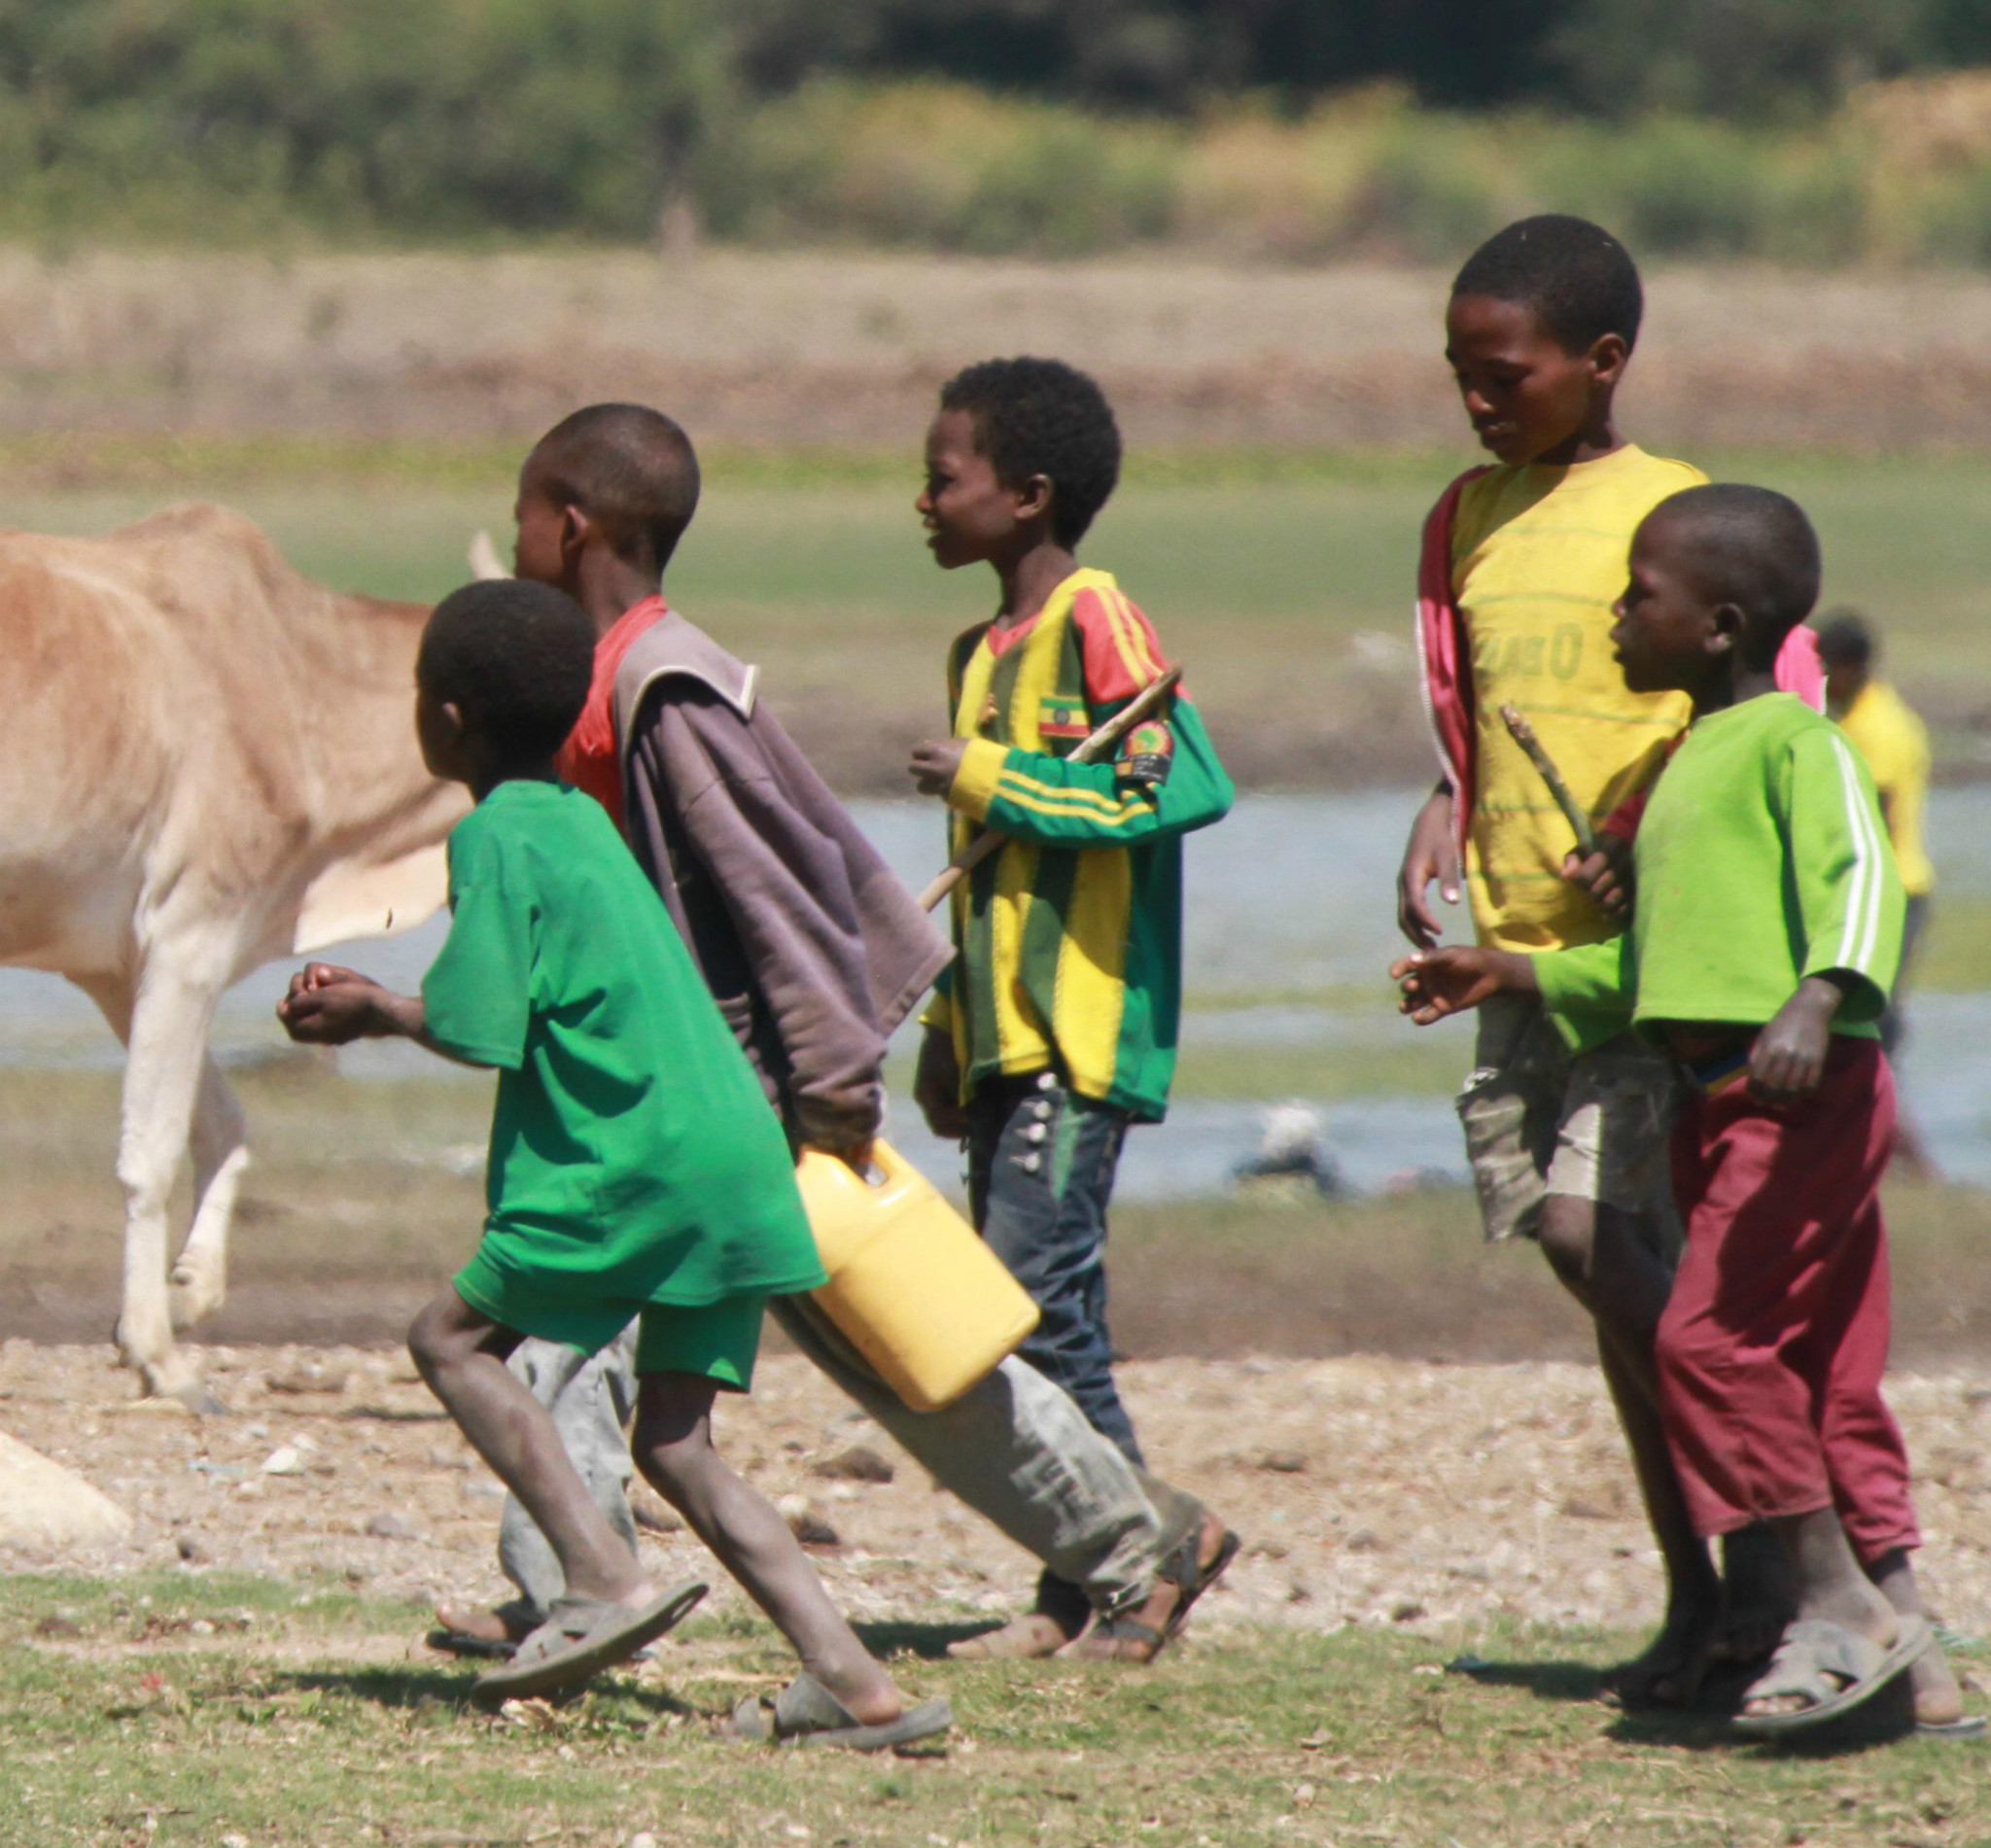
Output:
x=517 y=658
x=1043 y=417
x=1577 y=278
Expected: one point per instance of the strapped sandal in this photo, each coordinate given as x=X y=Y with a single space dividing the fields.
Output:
x=1831 y=1668
x=806 y=1713
x=1124 y=1637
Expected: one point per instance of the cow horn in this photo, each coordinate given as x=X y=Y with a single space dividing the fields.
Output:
x=485 y=563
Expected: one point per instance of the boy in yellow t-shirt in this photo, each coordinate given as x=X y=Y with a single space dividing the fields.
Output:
x=1522 y=563
x=1895 y=742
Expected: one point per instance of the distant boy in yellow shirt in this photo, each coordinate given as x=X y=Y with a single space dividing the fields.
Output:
x=1522 y=563
x=1895 y=744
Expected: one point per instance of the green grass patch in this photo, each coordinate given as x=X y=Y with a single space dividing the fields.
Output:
x=1263 y=570
x=1321 y=1074
x=1243 y=1737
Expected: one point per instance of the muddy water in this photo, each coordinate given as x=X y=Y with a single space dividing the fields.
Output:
x=1291 y=894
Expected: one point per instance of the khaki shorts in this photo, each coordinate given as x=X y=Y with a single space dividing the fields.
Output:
x=1539 y=1121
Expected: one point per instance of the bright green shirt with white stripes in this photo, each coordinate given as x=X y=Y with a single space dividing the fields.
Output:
x=1760 y=860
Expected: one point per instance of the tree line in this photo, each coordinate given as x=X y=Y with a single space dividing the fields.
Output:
x=452 y=117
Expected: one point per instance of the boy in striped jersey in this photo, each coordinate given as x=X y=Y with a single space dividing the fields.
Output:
x=1761 y=953
x=1055 y=1029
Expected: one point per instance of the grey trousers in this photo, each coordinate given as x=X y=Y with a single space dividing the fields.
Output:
x=1015 y=1449
x=592 y=1399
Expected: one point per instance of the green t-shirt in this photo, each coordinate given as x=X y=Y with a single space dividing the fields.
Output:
x=634 y=1157
x=1760 y=860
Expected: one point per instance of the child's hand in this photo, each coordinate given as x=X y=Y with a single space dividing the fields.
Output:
x=329 y=1006
x=1606 y=875
x=936 y=1087
x=1432 y=854
x=935 y=765
x=1450 y=979
x=1788 y=1059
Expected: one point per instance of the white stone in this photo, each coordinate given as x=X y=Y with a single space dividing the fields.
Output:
x=43 y=1505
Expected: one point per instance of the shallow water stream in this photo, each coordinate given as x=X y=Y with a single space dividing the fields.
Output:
x=1290 y=896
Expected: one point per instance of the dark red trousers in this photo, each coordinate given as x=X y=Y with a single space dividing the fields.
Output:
x=1775 y=1339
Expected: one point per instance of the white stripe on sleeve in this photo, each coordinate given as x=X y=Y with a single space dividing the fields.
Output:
x=1862 y=912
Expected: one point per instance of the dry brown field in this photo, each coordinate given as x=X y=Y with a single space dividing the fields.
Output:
x=789 y=349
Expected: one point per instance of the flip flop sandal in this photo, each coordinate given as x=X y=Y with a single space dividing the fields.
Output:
x=470 y=1645
x=582 y=1636
x=1972 y=1726
x=1832 y=1668
x=806 y=1713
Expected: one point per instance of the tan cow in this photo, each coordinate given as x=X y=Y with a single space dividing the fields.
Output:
x=205 y=762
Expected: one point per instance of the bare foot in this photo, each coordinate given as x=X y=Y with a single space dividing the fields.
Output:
x=1060 y=1613
x=1667 y=1672
x=1029 y=1637
x=485 y=1627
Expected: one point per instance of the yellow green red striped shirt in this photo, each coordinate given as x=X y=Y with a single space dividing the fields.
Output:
x=1071 y=935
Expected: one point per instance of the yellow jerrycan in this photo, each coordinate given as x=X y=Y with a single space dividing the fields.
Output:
x=912 y=1288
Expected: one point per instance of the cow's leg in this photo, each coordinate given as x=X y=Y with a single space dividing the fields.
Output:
x=170 y=1015
x=220 y=1155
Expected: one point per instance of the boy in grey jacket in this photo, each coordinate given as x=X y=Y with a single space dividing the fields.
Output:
x=815 y=952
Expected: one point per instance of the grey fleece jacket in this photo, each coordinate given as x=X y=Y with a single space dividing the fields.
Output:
x=810 y=945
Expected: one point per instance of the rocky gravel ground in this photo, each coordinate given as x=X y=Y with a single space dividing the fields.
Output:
x=1369 y=1491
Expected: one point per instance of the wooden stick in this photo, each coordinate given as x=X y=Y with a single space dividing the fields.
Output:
x=1523 y=734
x=1096 y=744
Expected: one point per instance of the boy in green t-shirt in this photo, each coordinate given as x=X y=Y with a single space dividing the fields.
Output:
x=633 y=1170
x=1766 y=935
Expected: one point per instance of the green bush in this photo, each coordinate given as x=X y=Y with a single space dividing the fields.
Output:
x=941 y=166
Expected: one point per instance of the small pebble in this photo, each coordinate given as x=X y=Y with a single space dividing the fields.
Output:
x=1283 y=1462
x=807 y=1524
x=307 y=1379
x=389 y=1526
x=858 y=1464
x=59 y=1623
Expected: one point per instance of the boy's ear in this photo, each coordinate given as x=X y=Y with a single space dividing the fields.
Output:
x=1033 y=499
x=1607 y=357
x=1728 y=628
x=576 y=530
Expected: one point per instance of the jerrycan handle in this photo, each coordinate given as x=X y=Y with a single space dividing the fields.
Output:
x=890 y=1163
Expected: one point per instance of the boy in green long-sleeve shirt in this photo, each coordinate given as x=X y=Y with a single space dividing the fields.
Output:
x=1765 y=940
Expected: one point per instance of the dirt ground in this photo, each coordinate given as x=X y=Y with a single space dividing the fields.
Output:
x=1369 y=1491
x=792 y=348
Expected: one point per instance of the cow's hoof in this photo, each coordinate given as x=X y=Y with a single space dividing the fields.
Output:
x=199 y=1287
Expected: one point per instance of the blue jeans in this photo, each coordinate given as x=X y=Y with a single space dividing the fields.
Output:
x=1041 y=1161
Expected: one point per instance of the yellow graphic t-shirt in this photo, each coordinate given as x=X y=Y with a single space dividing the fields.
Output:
x=1538 y=557
x=1895 y=742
